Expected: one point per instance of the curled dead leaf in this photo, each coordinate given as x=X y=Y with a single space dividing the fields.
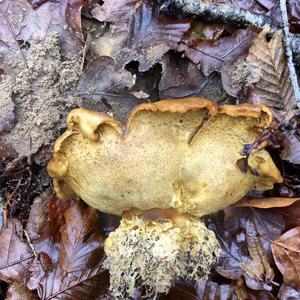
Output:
x=286 y=251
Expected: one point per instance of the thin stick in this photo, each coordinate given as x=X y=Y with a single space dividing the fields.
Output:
x=288 y=51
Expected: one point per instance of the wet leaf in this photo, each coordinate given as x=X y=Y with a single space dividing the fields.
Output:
x=210 y=55
x=286 y=251
x=15 y=255
x=267 y=59
x=266 y=202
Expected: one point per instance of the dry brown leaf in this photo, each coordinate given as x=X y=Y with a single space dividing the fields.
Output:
x=266 y=202
x=286 y=251
x=18 y=291
x=274 y=86
x=210 y=55
x=245 y=234
x=70 y=251
x=15 y=255
x=287 y=292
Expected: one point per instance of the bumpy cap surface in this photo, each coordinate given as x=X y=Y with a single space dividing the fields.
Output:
x=173 y=153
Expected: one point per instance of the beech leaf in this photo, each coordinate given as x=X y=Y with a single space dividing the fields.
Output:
x=286 y=251
x=274 y=85
x=210 y=55
x=15 y=255
x=74 y=268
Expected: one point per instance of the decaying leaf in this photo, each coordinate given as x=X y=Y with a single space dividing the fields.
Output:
x=210 y=55
x=144 y=35
x=115 y=11
x=69 y=261
x=286 y=251
x=244 y=293
x=288 y=292
x=246 y=234
x=291 y=214
x=213 y=291
x=149 y=36
x=15 y=254
x=20 y=292
x=181 y=78
x=291 y=151
x=21 y=26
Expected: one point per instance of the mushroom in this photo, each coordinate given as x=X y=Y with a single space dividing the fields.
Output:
x=174 y=161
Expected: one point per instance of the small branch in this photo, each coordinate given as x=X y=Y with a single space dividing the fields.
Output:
x=288 y=51
x=227 y=14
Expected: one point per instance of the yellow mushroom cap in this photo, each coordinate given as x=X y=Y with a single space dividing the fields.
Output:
x=164 y=157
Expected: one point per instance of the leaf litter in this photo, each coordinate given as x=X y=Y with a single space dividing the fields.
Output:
x=110 y=56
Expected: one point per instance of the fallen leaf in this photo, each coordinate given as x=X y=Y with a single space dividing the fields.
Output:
x=273 y=85
x=103 y=87
x=114 y=11
x=287 y=292
x=266 y=202
x=294 y=15
x=69 y=263
x=206 y=289
x=102 y=79
x=21 y=26
x=291 y=214
x=211 y=290
x=210 y=55
x=245 y=234
x=149 y=36
x=291 y=150
x=244 y=293
x=286 y=251
x=15 y=255
x=180 y=78
x=18 y=291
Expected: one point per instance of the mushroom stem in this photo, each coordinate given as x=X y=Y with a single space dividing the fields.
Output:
x=156 y=247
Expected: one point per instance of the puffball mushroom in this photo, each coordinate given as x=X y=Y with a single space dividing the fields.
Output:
x=176 y=158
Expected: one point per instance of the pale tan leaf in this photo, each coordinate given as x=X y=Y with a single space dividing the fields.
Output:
x=274 y=87
x=266 y=202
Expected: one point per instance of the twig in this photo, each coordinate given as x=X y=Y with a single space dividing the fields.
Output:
x=288 y=51
x=227 y=14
